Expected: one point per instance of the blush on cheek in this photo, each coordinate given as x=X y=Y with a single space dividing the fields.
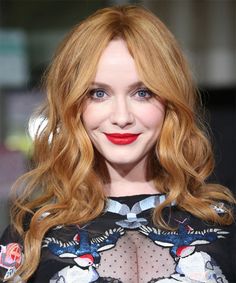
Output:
x=90 y=117
x=152 y=116
x=94 y=115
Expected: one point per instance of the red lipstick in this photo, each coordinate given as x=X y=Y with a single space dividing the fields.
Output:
x=121 y=139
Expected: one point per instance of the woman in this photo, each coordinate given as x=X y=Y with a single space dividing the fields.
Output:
x=118 y=191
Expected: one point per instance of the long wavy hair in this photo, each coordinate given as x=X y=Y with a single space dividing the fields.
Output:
x=65 y=181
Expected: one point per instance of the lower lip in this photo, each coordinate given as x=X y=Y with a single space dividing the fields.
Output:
x=122 y=140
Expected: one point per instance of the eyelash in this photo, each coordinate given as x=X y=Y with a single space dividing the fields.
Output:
x=93 y=92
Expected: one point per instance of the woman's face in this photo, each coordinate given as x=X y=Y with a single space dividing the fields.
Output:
x=122 y=117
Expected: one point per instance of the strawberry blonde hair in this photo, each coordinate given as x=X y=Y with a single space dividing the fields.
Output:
x=65 y=180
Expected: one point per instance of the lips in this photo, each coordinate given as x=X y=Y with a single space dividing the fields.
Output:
x=122 y=139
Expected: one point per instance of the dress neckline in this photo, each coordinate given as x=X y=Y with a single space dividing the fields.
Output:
x=135 y=196
x=140 y=199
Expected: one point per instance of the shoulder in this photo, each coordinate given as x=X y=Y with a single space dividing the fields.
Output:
x=9 y=235
x=177 y=216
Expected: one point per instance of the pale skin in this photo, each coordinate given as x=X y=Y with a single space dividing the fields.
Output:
x=120 y=103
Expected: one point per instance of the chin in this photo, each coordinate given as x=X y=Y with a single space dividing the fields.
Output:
x=125 y=161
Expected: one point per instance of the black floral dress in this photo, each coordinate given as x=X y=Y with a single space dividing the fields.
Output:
x=123 y=245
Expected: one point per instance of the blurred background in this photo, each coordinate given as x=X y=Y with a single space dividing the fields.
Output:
x=31 y=30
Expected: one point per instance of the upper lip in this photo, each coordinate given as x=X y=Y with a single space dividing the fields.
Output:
x=121 y=135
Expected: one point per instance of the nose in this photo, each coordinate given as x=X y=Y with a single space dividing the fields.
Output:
x=121 y=112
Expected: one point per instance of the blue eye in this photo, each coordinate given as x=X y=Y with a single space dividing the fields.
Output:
x=97 y=94
x=144 y=94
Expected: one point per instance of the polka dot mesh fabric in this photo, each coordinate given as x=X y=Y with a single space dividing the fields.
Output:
x=136 y=259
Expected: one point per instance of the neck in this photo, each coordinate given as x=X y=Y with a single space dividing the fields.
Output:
x=129 y=180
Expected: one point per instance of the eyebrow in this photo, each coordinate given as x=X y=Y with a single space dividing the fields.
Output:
x=130 y=87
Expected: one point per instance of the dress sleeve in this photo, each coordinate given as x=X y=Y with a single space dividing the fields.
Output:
x=11 y=254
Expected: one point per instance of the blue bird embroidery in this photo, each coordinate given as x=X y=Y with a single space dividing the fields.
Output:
x=84 y=251
x=182 y=244
x=183 y=241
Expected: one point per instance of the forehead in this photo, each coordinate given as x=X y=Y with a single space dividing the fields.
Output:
x=115 y=48
x=116 y=64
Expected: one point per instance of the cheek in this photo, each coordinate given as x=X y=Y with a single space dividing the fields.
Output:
x=152 y=116
x=90 y=117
